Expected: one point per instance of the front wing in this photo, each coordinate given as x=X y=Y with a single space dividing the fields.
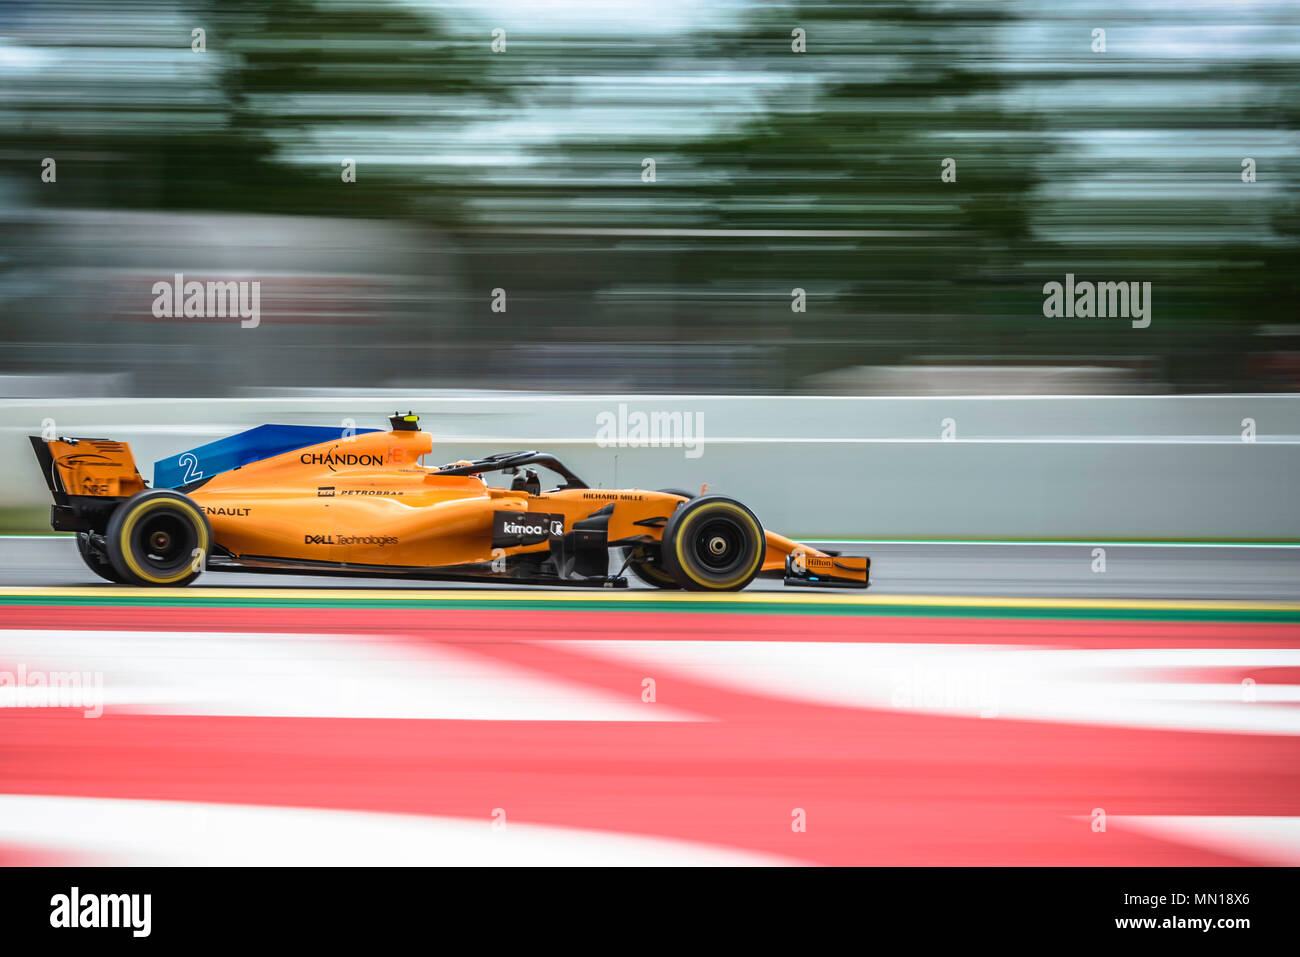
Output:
x=827 y=571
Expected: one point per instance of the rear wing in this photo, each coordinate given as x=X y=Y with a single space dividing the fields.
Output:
x=86 y=478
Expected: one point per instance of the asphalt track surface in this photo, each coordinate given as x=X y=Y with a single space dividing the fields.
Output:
x=982 y=704
x=1131 y=571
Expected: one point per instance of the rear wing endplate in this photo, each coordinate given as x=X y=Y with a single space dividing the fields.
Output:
x=87 y=468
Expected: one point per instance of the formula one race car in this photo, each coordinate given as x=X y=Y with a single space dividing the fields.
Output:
x=315 y=500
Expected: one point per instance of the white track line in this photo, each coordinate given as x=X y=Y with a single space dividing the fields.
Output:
x=151 y=833
x=1265 y=840
x=321 y=676
x=1119 y=687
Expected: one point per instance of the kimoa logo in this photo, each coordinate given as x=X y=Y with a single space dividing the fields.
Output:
x=1102 y=300
x=517 y=528
x=75 y=909
x=520 y=528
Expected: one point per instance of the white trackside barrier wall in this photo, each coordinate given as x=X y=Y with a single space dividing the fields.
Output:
x=1057 y=468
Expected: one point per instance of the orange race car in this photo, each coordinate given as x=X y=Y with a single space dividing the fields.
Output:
x=315 y=500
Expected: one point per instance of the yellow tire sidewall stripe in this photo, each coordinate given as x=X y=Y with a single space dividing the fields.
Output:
x=745 y=517
x=133 y=518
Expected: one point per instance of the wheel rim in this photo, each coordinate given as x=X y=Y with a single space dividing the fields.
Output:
x=719 y=545
x=164 y=541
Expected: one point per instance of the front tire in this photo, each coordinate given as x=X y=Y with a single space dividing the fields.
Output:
x=713 y=543
x=158 y=537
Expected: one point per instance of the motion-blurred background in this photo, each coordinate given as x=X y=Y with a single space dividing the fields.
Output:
x=1017 y=480
x=523 y=170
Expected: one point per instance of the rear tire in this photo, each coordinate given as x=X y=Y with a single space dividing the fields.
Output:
x=157 y=537
x=97 y=561
x=713 y=543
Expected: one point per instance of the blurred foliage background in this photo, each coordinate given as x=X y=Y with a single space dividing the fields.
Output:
x=522 y=170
